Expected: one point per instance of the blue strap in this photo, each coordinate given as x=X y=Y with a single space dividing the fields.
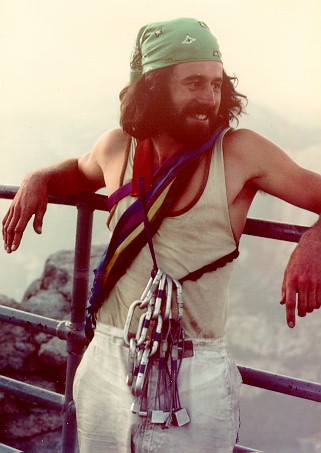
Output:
x=171 y=166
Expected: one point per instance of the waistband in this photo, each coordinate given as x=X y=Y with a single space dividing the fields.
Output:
x=208 y=344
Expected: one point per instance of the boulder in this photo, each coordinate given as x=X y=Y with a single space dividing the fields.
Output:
x=38 y=358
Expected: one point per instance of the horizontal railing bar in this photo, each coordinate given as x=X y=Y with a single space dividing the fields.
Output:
x=55 y=400
x=258 y=378
x=253 y=227
x=274 y=230
x=250 y=376
x=240 y=449
x=31 y=393
x=281 y=384
x=94 y=200
x=7 y=449
x=61 y=329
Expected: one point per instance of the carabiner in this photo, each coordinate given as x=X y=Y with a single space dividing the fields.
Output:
x=157 y=335
x=152 y=289
x=144 y=323
x=129 y=318
x=138 y=359
x=142 y=372
x=179 y=298
x=150 y=281
x=159 y=296
x=169 y=290
x=131 y=361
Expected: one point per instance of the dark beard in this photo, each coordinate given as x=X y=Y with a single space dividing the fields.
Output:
x=178 y=127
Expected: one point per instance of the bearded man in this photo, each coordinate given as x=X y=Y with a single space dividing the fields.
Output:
x=156 y=375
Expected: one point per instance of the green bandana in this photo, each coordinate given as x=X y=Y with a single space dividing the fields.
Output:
x=167 y=43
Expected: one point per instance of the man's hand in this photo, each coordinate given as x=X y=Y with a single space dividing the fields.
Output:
x=301 y=287
x=31 y=199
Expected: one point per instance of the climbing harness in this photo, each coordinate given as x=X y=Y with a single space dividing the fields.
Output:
x=160 y=340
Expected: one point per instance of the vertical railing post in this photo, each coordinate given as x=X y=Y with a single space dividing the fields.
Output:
x=78 y=310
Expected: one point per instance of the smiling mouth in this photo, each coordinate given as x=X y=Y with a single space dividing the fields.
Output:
x=200 y=116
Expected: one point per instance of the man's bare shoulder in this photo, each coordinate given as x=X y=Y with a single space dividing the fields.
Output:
x=108 y=156
x=253 y=157
x=251 y=148
x=110 y=144
x=237 y=139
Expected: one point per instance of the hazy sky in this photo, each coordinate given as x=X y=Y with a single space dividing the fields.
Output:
x=67 y=51
x=71 y=58
x=63 y=63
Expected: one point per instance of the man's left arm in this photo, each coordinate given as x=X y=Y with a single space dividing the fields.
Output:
x=278 y=175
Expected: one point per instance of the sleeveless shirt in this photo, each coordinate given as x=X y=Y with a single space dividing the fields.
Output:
x=183 y=244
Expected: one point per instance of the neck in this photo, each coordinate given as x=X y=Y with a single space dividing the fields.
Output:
x=165 y=147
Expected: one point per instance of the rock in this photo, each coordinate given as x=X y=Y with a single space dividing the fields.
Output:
x=32 y=420
x=38 y=358
x=48 y=442
x=49 y=303
x=15 y=347
x=32 y=290
x=53 y=357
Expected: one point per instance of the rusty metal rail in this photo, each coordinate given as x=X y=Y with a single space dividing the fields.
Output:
x=73 y=331
x=63 y=330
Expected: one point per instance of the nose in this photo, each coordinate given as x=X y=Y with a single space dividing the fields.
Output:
x=207 y=95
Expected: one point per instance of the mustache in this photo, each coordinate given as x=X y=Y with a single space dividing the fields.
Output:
x=199 y=109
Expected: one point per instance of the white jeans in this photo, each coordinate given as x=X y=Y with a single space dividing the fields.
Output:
x=209 y=386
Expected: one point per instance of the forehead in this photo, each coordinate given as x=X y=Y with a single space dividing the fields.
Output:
x=208 y=69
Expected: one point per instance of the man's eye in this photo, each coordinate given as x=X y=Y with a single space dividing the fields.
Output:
x=194 y=84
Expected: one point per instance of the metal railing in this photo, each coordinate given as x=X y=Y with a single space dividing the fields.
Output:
x=73 y=331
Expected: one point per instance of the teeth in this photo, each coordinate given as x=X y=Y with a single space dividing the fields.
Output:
x=201 y=117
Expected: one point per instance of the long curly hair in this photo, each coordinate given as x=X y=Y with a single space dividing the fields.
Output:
x=142 y=103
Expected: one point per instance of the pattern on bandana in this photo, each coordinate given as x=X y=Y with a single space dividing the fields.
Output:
x=188 y=40
x=203 y=24
x=158 y=32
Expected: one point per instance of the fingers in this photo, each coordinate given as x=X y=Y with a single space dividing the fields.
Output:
x=288 y=298
x=31 y=199
x=15 y=223
x=37 y=223
x=301 y=288
x=303 y=298
x=290 y=301
x=13 y=226
x=311 y=300
x=302 y=302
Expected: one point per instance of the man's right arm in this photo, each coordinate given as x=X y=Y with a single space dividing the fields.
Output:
x=69 y=177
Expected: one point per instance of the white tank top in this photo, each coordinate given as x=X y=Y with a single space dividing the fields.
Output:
x=183 y=244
